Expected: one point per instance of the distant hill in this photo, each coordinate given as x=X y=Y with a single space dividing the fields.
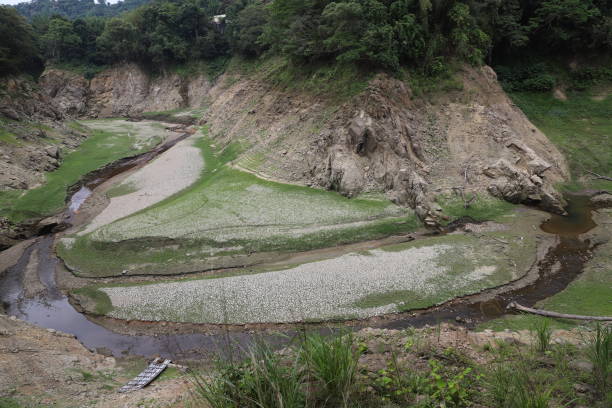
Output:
x=76 y=8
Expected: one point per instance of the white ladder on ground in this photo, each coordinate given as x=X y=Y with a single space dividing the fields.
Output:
x=146 y=376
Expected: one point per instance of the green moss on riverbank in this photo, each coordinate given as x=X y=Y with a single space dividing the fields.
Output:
x=580 y=126
x=102 y=147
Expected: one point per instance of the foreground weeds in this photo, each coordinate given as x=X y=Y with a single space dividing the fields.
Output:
x=413 y=368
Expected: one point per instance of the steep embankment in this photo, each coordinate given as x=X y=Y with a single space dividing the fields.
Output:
x=124 y=90
x=33 y=141
x=415 y=149
x=388 y=139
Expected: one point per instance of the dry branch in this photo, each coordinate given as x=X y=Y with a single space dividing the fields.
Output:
x=516 y=306
x=599 y=176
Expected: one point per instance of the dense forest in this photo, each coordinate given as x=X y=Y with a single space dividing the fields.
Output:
x=76 y=8
x=375 y=34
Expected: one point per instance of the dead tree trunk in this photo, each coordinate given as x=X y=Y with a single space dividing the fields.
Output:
x=516 y=306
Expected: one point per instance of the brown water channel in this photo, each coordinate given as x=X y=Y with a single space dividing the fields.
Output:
x=51 y=308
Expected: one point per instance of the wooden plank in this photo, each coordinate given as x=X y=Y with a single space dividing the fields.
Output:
x=150 y=373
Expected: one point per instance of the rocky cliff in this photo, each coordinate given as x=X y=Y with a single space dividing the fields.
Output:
x=462 y=142
x=124 y=90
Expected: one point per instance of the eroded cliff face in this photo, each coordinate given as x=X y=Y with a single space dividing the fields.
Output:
x=473 y=141
x=386 y=139
x=124 y=90
x=34 y=136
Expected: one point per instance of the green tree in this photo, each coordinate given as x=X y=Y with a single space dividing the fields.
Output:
x=566 y=24
x=60 y=42
x=118 y=41
x=247 y=29
x=468 y=40
x=17 y=43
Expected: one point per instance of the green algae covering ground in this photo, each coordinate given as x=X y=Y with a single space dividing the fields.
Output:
x=580 y=126
x=225 y=214
x=354 y=285
x=109 y=141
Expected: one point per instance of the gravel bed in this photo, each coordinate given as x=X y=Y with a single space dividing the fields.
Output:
x=325 y=289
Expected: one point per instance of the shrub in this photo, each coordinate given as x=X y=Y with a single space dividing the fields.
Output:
x=263 y=380
x=539 y=83
x=533 y=77
x=510 y=386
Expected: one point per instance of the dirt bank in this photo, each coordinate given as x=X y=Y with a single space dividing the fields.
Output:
x=47 y=368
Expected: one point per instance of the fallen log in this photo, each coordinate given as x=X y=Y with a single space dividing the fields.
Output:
x=599 y=176
x=516 y=306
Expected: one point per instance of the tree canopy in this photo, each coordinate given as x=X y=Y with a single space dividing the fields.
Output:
x=18 y=51
x=376 y=34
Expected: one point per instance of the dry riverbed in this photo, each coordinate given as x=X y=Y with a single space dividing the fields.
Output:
x=354 y=285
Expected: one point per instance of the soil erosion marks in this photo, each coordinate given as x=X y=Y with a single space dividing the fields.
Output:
x=51 y=308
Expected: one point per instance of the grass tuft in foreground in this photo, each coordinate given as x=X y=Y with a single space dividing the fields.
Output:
x=600 y=355
x=385 y=368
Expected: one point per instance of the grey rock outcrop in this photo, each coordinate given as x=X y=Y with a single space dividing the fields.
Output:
x=388 y=140
x=123 y=90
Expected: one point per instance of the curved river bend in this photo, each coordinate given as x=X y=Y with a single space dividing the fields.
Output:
x=51 y=309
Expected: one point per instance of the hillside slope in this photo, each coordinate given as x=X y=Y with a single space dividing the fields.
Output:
x=415 y=149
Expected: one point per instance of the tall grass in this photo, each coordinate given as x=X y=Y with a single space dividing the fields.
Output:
x=511 y=386
x=332 y=363
x=320 y=371
x=261 y=381
x=599 y=351
x=542 y=333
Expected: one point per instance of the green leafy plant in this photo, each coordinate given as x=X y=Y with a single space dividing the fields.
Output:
x=450 y=391
x=397 y=385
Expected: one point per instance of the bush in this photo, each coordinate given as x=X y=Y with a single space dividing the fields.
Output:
x=262 y=380
x=584 y=77
x=534 y=78
x=539 y=83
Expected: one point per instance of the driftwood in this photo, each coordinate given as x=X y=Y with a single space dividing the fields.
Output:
x=516 y=306
x=599 y=176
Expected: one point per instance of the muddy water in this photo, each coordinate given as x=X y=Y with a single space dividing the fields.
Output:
x=51 y=308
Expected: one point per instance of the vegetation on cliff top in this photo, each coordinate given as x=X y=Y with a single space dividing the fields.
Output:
x=376 y=34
